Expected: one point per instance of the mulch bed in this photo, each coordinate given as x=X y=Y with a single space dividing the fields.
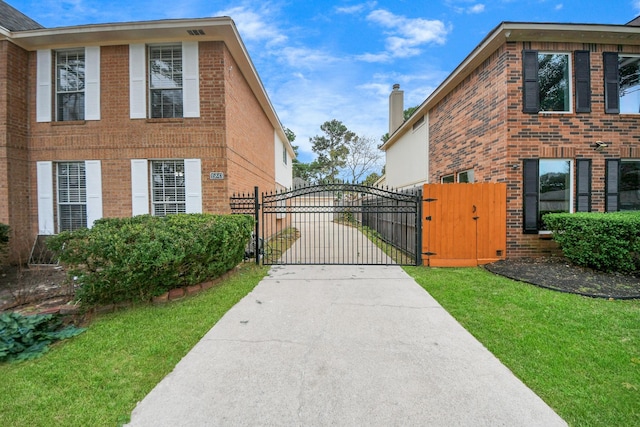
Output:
x=558 y=274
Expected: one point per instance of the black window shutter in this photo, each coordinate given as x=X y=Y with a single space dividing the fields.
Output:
x=611 y=186
x=530 y=87
x=583 y=81
x=611 y=83
x=530 y=189
x=583 y=185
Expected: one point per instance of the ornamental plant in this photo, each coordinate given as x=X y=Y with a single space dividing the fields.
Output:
x=135 y=259
x=27 y=337
x=604 y=241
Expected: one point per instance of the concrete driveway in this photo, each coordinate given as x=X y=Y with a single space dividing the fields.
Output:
x=340 y=346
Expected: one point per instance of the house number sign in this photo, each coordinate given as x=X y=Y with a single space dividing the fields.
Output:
x=216 y=175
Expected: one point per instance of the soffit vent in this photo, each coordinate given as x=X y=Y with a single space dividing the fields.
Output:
x=198 y=32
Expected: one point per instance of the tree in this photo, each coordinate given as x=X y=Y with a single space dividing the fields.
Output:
x=362 y=158
x=371 y=179
x=331 y=149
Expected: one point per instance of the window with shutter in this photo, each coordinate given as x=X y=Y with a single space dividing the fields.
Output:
x=547 y=186
x=547 y=82
x=611 y=83
x=583 y=185
x=583 y=81
x=612 y=179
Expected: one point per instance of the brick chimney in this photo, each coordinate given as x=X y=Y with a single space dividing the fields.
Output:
x=396 y=109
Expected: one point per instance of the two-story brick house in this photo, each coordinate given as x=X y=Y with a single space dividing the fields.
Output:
x=114 y=120
x=552 y=110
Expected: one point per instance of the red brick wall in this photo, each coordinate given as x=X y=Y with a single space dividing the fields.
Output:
x=481 y=125
x=250 y=135
x=14 y=178
x=230 y=118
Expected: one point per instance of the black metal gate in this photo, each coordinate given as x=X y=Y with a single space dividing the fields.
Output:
x=335 y=223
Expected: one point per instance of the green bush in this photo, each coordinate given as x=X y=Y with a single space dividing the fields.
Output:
x=134 y=259
x=27 y=337
x=604 y=241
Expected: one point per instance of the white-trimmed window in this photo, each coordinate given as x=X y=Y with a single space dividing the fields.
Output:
x=165 y=81
x=69 y=195
x=548 y=80
x=166 y=186
x=70 y=84
x=548 y=188
x=168 y=191
x=629 y=80
x=465 y=176
x=72 y=195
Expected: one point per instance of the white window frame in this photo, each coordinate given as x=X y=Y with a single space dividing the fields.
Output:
x=142 y=185
x=450 y=176
x=620 y=98
x=469 y=173
x=569 y=81
x=78 y=89
x=571 y=189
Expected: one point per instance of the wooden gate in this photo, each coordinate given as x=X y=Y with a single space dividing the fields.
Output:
x=464 y=224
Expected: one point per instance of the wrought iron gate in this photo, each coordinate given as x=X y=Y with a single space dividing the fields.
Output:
x=335 y=223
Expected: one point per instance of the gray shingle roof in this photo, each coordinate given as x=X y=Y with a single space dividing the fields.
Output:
x=14 y=20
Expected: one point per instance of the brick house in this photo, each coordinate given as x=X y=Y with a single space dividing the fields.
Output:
x=552 y=110
x=115 y=120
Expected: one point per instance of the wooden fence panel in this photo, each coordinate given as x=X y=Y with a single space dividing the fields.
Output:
x=464 y=224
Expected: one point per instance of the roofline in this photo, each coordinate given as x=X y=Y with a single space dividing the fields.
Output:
x=170 y=30
x=518 y=32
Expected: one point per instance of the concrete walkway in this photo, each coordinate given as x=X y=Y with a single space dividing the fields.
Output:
x=340 y=346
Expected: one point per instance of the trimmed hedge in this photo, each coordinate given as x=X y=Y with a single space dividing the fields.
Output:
x=604 y=241
x=135 y=259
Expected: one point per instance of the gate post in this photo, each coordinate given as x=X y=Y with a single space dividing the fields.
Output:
x=256 y=216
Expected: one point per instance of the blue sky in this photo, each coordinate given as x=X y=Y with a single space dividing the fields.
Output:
x=322 y=60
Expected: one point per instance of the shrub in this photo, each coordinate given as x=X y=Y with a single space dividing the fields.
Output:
x=603 y=241
x=134 y=259
x=27 y=337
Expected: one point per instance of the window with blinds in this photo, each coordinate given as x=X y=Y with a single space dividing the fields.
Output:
x=168 y=193
x=72 y=196
x=165 y=81
x=70 y=84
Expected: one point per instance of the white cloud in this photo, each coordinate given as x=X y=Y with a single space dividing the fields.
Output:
x=476 y=8
x=559 y=6
x=405 y=36
x=253 y=26
x=465 y=6
x=636 y=5
x=357 y=8
x=302 y=57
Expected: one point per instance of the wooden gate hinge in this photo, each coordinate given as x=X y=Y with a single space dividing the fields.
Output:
x=429 y=253
x=428 y=218
x=429 y=200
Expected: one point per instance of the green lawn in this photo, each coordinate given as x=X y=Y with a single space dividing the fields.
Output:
x=96 y=378
x=581 y=355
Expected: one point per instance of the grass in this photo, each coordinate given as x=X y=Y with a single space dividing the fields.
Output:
x=97 y=378
x=279 y=244
x=580 y=355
